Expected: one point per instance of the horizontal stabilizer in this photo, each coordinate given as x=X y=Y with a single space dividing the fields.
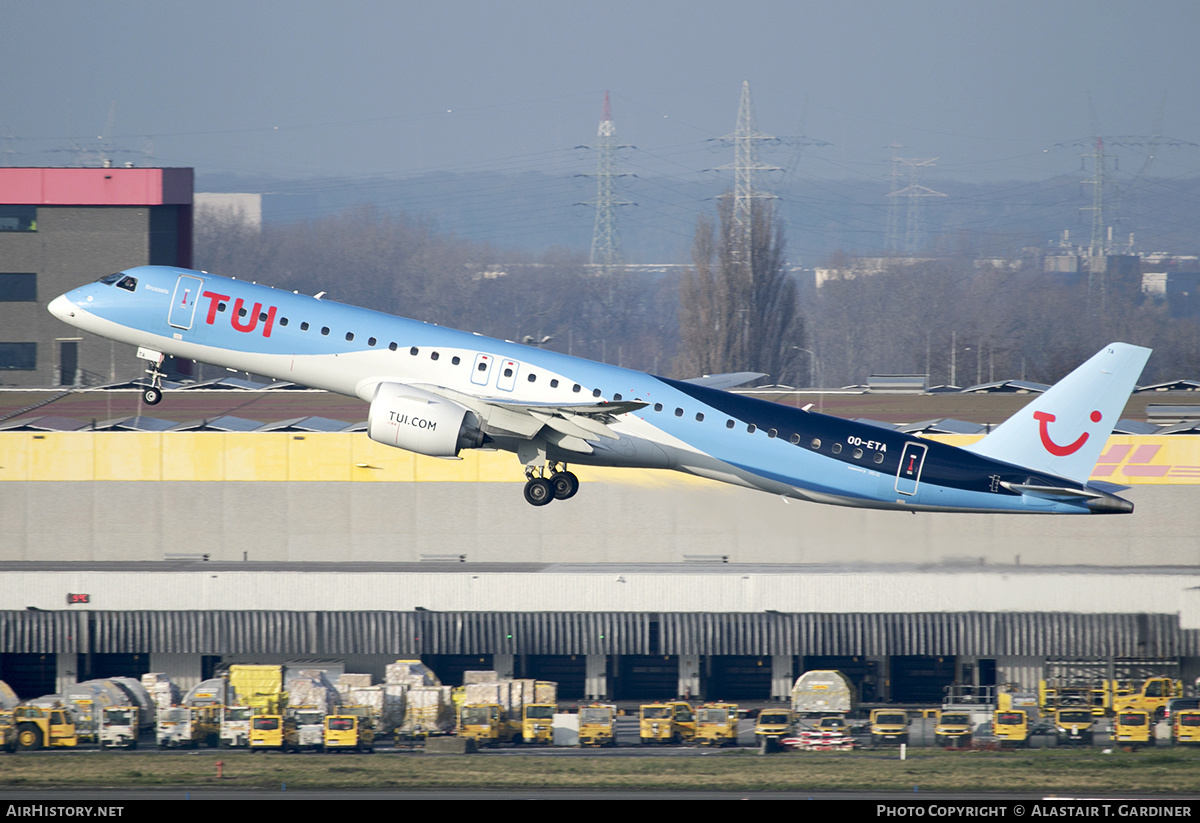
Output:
x=724 y=381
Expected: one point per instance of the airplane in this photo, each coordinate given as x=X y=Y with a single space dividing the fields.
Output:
x=436 y=391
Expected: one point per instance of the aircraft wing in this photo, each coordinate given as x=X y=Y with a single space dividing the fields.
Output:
x=570 y=425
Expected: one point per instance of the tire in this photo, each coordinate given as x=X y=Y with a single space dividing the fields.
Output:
x=538 y=492
x=29 y=737
x=152 y=396
x=565 y=485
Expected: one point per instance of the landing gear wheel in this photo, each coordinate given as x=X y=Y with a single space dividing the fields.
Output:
x=152 y=396
x=565 y=485
x=538 y=491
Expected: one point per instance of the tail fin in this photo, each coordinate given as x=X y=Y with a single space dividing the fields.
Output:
x=1064 y=430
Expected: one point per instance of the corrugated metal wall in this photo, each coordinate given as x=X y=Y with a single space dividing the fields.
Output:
x=1045 y=634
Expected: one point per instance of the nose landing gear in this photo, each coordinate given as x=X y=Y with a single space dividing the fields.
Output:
x=152 y=394
x=560 y=485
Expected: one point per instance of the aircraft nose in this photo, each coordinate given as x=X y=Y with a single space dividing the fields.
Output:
x=61 y=307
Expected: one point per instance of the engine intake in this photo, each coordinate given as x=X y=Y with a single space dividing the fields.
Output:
x=419 y=421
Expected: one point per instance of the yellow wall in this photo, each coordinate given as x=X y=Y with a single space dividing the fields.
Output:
x=271 y=456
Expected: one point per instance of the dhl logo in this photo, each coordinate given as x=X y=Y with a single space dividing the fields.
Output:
x=1148 y=463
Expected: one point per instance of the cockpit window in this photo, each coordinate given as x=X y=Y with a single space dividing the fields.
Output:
x=112 y=278
x=127 y=283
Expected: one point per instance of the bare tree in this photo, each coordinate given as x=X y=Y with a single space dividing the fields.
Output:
x=738 y=311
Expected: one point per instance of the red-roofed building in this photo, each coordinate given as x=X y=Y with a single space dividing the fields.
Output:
x=61 y=227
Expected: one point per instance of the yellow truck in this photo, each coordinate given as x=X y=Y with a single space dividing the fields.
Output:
x=1185 y=727
x=348 y=732
x=43 y=728
x=1133 y=728
x=1150 y=695
x=596 y=725
x=771 y=726
x=266 y=732
x=889 y=726
x=487 y=725
x=671 y=722
x=8 y=731
x=537 y=723
x=717 y=724
x=1075 y=727
x=953 y=729
x=1011 y=727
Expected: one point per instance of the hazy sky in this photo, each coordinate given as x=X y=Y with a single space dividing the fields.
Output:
x=302 y=87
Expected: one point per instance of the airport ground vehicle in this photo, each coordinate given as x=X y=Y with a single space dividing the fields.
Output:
x=266 y=732
x=1150 y=695
x=178 y=727
x=304 y=730
x=1133 y=727
x=348 y=732
x=1011 y=726
x=771 y=726
x=44 y=728
x=953 y=729
x=717 y=724
x=1185 y=727
x=487 y=725
x=235 y=727
x=670 y=722
x=8 y=731
x=537 y=723
x=596 y=724
x=119 y=727
x=1075 y=727
x=889 y=726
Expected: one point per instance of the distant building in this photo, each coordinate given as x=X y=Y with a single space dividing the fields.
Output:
x=60 y=228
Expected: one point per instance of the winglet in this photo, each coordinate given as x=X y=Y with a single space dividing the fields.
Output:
x=1064 y=430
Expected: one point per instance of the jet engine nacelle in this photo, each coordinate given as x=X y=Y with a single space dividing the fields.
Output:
x=416 y=420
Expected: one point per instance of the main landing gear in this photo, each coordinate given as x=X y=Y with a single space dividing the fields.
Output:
x=560 y=485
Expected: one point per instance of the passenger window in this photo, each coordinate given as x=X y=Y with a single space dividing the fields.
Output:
x=241 y=311
x=595 y=392
x=371 y=341
x=816 y=443
x=576 y=388
x=658 y=407
x=324 y=330
x=878 y=458
x=283 y=321
x=508 y=372
x=349 y=336
x=413 y=351
x=795 y=438
x=554 y=384
x=858 y=453
x=699 y=417
x=679 y=412
x=772 y=433
x=532 y=377
x=392 y=346
x=222 y=306
x=616 y=397
x=483 y=367
x=434 y=356
x=837 y=448
x=262 y=317
x=304 y=326
x=454 y=361
x=729 y=424
x=752 y=428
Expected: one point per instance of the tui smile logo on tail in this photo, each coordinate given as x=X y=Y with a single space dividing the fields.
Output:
x=1044 y=419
